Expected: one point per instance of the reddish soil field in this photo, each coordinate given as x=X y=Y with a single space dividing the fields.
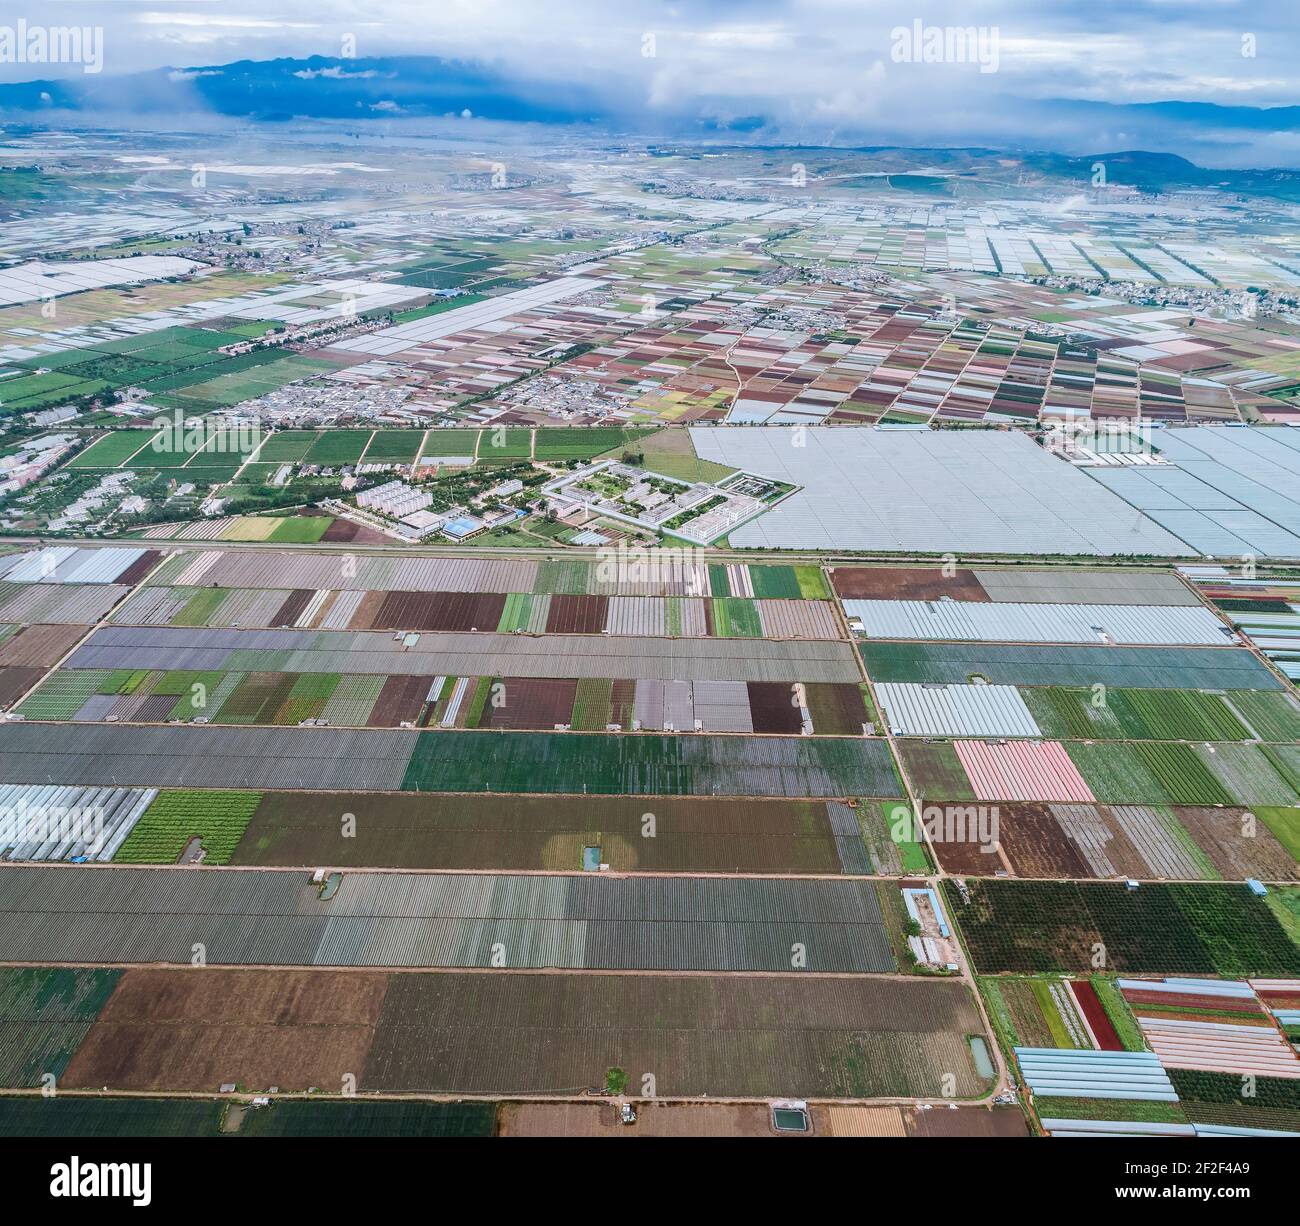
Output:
x=622 y=703
x=439 y=611
x=346 y=530
x=904 y=583
x=289 y=612
x=533 y=702
x=772 y=707
x=1030 y=836
x=197 y=1029
x=140 y=567
x=1095 y=1012
x=1280 y=999
x=577 y=614
x=1189 y=1000
x=1207 y=1015
x=1036 y=845
x=400 y=701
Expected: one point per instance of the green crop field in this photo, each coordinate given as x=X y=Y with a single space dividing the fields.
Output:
x=1285 y=825
x=452 y=441
x=584 y=442
x=1138 y=773
x=285 y=446
x=889 y=835
x=338 y=447
x=1155 y=929
x=78 y=1117
x=935 y=770
x=1217 y=1098
x=45 y=1012
x=301 y=529
x=292 y=1117
x=161 y=835
x=393 y=447
x=1119 y=714
x=650 y=765
x=236 y=385
x=735 y=617
x=495 y=443
x=112 y=449
x=1145 y=668
x=175 y=361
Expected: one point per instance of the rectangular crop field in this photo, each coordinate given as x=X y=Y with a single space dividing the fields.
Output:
x=161 y=835
x=733 y=1035
x=525 y=833
x=188 y=1030
x=1185 y=930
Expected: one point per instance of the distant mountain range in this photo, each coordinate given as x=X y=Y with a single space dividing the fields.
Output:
x=416 y=87
x=314 y=88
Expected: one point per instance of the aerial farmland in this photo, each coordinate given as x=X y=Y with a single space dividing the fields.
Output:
x=520 y=630
x=479 y=828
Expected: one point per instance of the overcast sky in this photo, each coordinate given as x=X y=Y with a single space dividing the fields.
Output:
x=818 y=69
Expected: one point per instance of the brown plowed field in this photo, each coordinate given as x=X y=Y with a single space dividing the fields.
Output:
x=532 y=702
x=294 y=604
x=836 y=708
x=539 y=1032
x=577 y=614
x=347 y=530
x=399 y=701
x=622 y=703
x=600 y=1119
x=1036 y=845
x=197 y=1029
x=460 y=611
x=15 y=682
x=1221 y=833
x=40 y=646
x=759 y=1036
x=699 y=834
x=967 y=1122
x=140 y=567
x=772 y=707
x=904 y=583
x=367 y=611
